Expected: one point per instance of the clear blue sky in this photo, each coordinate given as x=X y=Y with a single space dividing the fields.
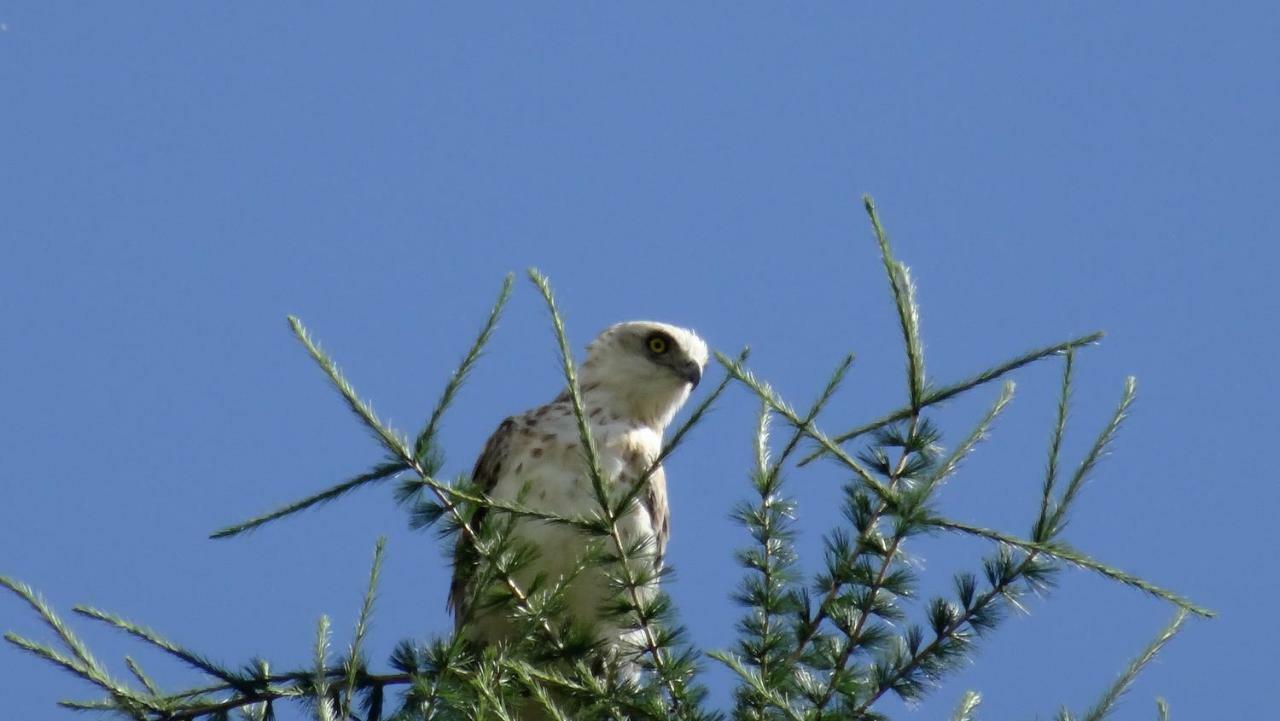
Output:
x=176 y=177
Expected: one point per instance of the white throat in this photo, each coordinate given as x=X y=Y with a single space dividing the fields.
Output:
x=648 y=404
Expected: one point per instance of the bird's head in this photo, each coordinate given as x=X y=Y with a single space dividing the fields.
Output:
x=645 y=369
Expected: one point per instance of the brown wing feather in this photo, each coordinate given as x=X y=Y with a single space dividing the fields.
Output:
x=484 y=477
x=655 y=502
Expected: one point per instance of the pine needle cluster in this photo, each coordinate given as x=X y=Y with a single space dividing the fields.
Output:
x=808 y=649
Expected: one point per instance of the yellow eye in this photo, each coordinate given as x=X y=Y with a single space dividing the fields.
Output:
x=657 y=344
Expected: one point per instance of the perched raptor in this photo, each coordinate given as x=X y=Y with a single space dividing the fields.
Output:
x=633 y=381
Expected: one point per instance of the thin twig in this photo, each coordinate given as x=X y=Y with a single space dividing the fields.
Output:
x=630 y=579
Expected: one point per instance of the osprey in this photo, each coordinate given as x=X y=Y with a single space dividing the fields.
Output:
x=635 y=378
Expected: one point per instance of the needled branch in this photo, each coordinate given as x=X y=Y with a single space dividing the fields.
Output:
x=947 y=392
x=425 y=452
x=863 y=633
x=398 y=446
x=1107 y=703
x=633 y=579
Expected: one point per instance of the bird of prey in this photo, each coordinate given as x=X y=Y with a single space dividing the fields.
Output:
x=635 y=378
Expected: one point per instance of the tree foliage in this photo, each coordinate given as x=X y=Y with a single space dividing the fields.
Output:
x=808 y=649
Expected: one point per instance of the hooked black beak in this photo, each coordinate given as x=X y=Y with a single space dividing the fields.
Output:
x=692 y=372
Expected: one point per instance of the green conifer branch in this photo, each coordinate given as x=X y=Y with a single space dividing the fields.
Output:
x=888 y=498
x=932 y=659
x=967 y=709
x=857 y=630
x=1064 y=552
x=188 y=657
x=487 y=683
x=480 y=500
x=758 y=685
x=145 y=680
x=543 y=697
x=945 y=393
x=425 y=442
x=84 y=659
x=913 y=449
x=765 y=590
x=962 y=451
x=908 y=312
x=1055 y=447
x=949 y=643
x=807 y=674
x=809 y=625
x=397 y=445
x=770 y=595
x=631 y=578
x=122 y=698
x=1106 y=704
x=807 y=426
x=828 y=392
x=81 y=662
x=1056 y=520
x=392 y=440
x=950 y=640
x=379 y=472
x=89 y=705
x=908 y=522
x=355 y=664
x=324 y=707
